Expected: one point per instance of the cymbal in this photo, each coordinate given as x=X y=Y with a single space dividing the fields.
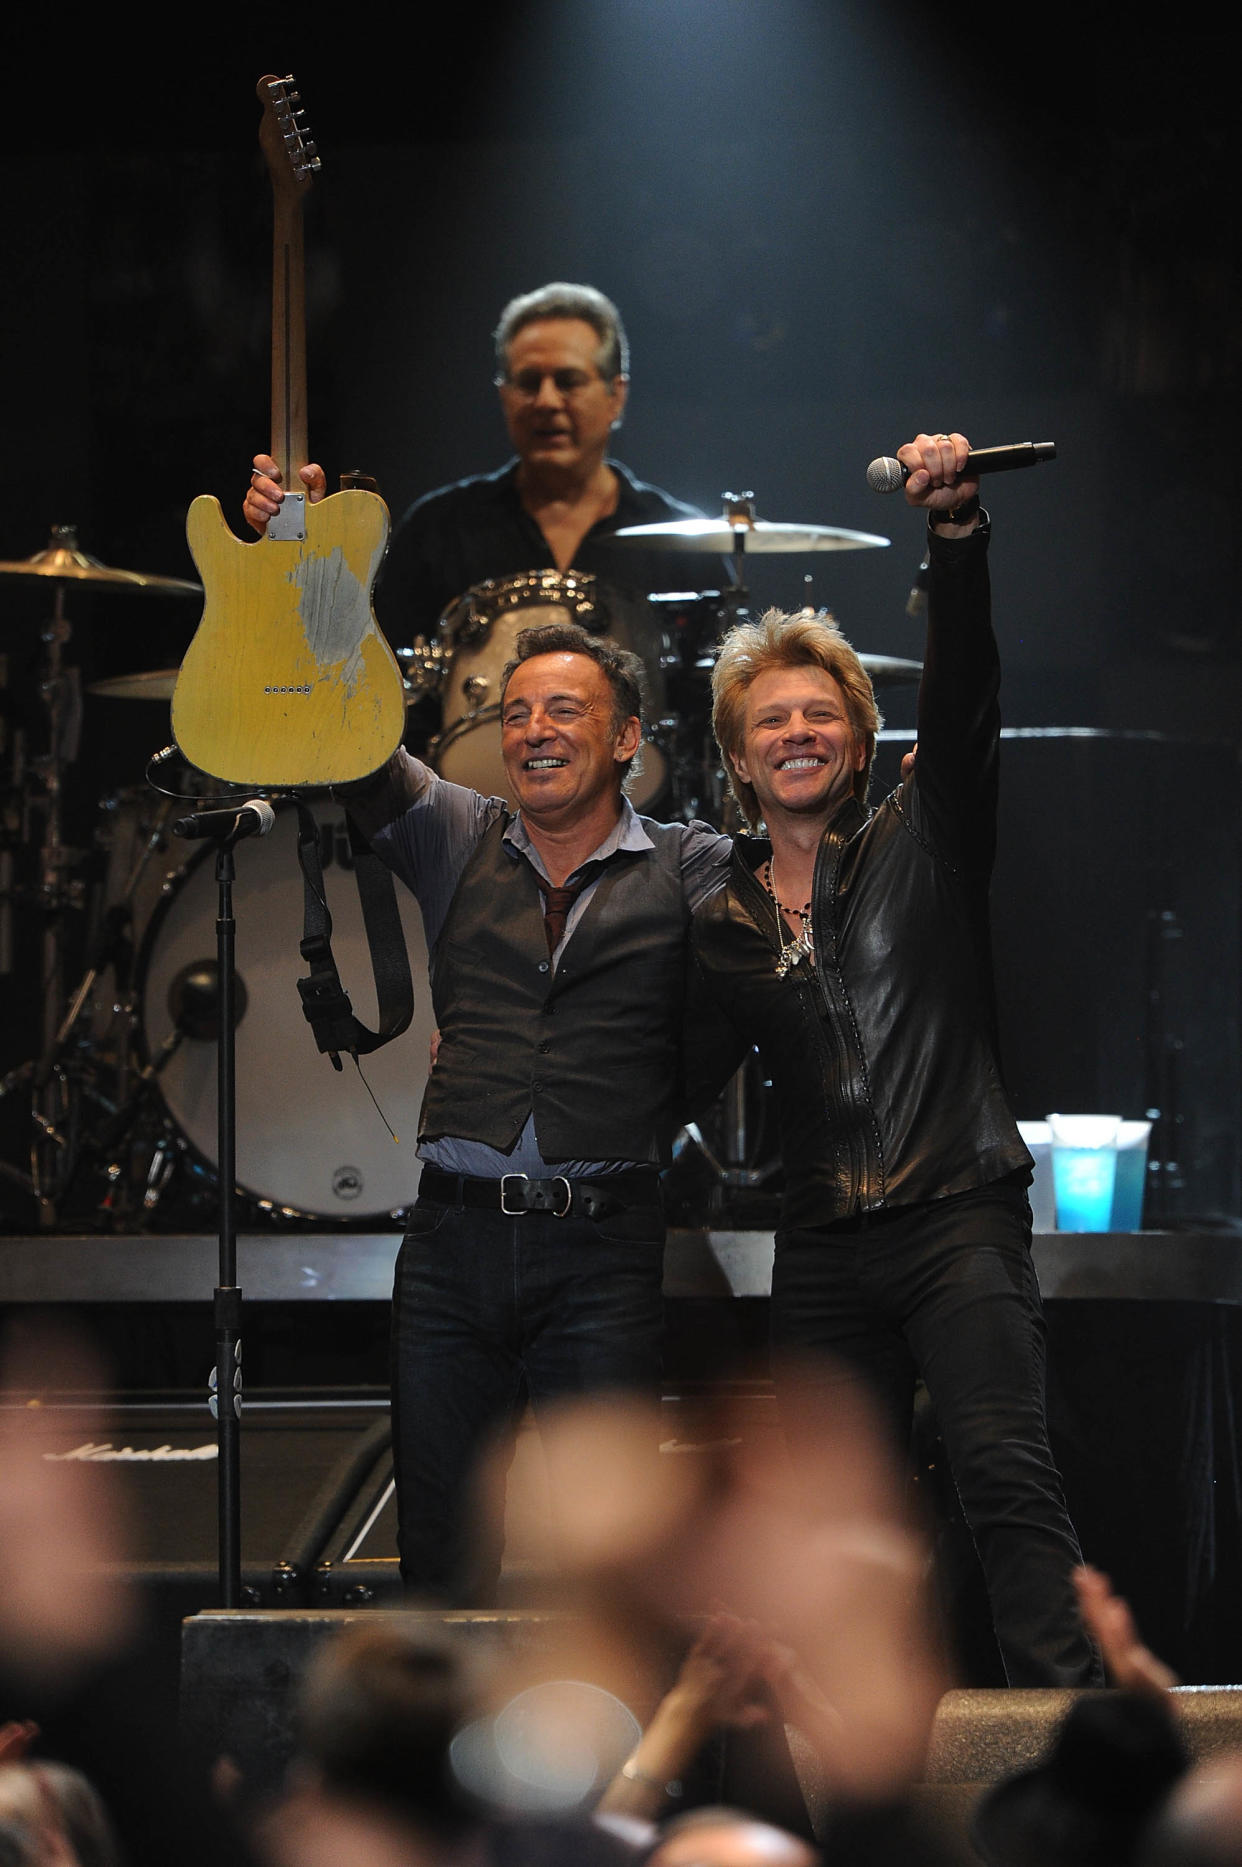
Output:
x=151 y=684
x=158 y=684
x=719 y=536
x=64 y=559
x=891 y=670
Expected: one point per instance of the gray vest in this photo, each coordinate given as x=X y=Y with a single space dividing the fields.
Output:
x=592 y=1048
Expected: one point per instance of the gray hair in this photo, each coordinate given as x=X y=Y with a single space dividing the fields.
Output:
x=567 y=301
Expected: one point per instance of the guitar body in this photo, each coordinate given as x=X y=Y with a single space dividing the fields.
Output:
x=289 y=680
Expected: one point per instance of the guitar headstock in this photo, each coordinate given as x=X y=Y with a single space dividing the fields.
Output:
x=292 y=158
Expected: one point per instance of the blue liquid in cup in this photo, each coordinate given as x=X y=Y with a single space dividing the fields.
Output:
x=1085 y=1179
x=1127 y=1215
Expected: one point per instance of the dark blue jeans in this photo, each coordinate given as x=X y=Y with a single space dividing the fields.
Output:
x=946 y=1291
x=488 y=1311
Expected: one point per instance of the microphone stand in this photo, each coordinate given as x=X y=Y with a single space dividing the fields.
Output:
x=226 y=828
x=225 y=1384
x=226 y=1400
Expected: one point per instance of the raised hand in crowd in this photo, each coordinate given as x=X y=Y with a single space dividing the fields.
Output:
x=1129 y=1662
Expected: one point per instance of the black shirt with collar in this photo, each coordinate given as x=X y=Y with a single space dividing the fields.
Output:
x=477 y=530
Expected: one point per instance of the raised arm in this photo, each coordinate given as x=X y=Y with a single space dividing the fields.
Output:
x=952 y=797
x=388 y=793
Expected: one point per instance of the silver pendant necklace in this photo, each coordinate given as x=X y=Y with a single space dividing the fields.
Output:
x=801 y=946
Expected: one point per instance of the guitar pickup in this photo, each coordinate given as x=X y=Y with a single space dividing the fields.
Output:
x=290 y=521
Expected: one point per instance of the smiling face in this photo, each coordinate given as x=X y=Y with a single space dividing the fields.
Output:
x=558 y=408
x=565 y=753
x=799 y=750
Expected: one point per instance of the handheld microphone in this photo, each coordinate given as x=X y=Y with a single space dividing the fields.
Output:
x=887 y=475
x=253 y=818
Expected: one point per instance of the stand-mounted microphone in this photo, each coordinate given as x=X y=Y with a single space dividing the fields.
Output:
x=253 y=818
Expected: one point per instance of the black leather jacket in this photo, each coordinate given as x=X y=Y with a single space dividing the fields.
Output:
x=883 y=1057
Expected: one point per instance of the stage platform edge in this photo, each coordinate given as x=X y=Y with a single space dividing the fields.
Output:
x=357 y=1267
x=240 y=1671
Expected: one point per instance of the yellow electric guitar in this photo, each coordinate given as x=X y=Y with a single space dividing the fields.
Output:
x=289 y=681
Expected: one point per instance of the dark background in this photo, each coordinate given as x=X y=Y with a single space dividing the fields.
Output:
x=827 y=226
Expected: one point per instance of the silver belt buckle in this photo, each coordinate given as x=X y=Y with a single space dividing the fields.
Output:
x=516 y=1212
x=511 y=1212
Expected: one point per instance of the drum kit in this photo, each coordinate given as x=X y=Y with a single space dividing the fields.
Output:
x=121 y=1092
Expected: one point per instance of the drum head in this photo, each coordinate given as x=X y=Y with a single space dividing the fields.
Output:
x=308 y=1137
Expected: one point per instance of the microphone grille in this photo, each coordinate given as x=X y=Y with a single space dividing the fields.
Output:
x=886 y=475
x=264 y=812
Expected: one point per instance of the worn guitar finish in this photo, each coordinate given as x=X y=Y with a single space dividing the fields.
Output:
x=289 y=681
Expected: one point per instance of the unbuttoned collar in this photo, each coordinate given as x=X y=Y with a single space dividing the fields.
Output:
x=629 y=490
x=627 y=837
x=850 y=816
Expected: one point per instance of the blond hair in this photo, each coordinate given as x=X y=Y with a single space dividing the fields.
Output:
x=781 y=640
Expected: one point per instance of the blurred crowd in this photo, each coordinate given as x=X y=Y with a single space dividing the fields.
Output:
x=743 y=1671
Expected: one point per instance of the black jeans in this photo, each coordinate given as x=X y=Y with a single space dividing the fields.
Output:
x=489 y=1310
x=947 y=1291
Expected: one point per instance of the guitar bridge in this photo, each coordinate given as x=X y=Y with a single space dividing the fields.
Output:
x=290 y=521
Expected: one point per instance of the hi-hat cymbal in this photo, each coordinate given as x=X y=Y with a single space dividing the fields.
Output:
x=64 y=559
x=891 y=670
x=718 y=535
x=151 y=684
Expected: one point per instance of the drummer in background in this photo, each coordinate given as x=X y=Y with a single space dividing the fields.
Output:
x=563 y=379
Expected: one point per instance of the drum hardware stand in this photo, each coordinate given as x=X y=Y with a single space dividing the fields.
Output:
x=55 y=892
x=739 y=513
x=112 y=948
x=736 y=1173
x=106 y=1147
x=112 y=942
x=726 y=1153
x=62 y=698
x=52 y=1090
x=13 y=741
x=1163 y=1048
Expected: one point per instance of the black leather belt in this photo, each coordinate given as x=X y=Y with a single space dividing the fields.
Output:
x=517 y=1193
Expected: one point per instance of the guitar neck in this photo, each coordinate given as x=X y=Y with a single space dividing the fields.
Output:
x=289 y=437
x=291 y=161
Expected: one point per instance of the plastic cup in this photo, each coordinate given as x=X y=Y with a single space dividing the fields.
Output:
x=1084 y=1170
x=1131 y=1178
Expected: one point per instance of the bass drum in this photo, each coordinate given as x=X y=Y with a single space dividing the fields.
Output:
x=478 y=632
x=309 y=1139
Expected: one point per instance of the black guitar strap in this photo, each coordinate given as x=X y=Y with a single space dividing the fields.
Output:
x=324 y=999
